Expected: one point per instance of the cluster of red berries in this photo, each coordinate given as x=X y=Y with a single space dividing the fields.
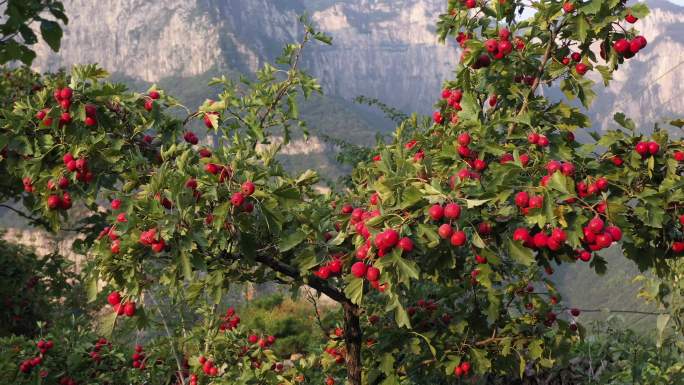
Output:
x=371 y=273
x=149 y=101
x=138 y=358
x=452 y=98
x=63 y=97
x=507 y=157
x=208 y=367
x=502 y=47
x=358 y=218
x=27 y=365
x=150 y=238
x=526 y=202
x=230 y=320
x=541 y=240
x=337 y=354
x=239 y=198
x=261 y=341
x=452 y=212
x=598 y=236
x=539 y=140
x=330 y=268
x=79 y=166
x=422 y=304
x=462 y=369
x=587 y=190
x=127 y=308
x=647 y=148
x=95 y=353
x=629 y=48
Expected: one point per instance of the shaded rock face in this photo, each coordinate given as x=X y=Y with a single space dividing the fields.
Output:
x=382 y=48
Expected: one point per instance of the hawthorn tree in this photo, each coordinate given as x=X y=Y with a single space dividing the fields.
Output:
x=439 y=251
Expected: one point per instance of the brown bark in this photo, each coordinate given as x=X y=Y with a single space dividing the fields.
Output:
x=352 y=339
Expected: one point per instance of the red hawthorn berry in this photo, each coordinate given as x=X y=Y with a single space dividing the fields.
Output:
x=631 y=18
x=247 y=188
x=129 y=309
x=359 y=269
x=66 y=202
x=149 y=105
x=653 y=148
x=190 y=137
x=372 y=273
x=154 y=95
x=90 y=122
x=436 y=212
x=158 y=246
x=237 y=199
x=90 y=110
x=464 y=139
x=617 y=161
x=211 y=168
x=452 y=211
x=678 y=247
x=115 y=248
x=458 y=238
x=437 y=117
x=53 y=202
x=191 y=183
x=445 y=231
x=406 y=244
x=521 y=235
x=581 y=68
x=642 y=148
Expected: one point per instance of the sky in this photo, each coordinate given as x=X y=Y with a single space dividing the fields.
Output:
x=678 y=2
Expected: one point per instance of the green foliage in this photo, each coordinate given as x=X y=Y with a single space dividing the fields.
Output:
x=34 y=289
x=17 y=32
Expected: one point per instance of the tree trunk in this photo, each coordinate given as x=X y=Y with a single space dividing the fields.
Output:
x=352 y=339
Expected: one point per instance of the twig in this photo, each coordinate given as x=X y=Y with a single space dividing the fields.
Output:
x=314 y=302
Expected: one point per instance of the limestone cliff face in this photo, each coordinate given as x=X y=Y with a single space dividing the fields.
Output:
x=381 y=49
x=649 y=87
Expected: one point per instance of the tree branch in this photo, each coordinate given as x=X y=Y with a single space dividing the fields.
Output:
x=315 y=282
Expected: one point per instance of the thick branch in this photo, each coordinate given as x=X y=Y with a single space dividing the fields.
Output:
x=314 y=282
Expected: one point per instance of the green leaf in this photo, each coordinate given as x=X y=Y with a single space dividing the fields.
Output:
x=480 y=361
x=387 y=364
x=92 y=287
x=52 y=33
x=105 y=326
x=520 y=253
x=187 y=266
x=354 y=290
x=471 y=203
x=661 y=323
x=677 y=123
x=625 y=122
x=291 y=240
x=582 y=27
